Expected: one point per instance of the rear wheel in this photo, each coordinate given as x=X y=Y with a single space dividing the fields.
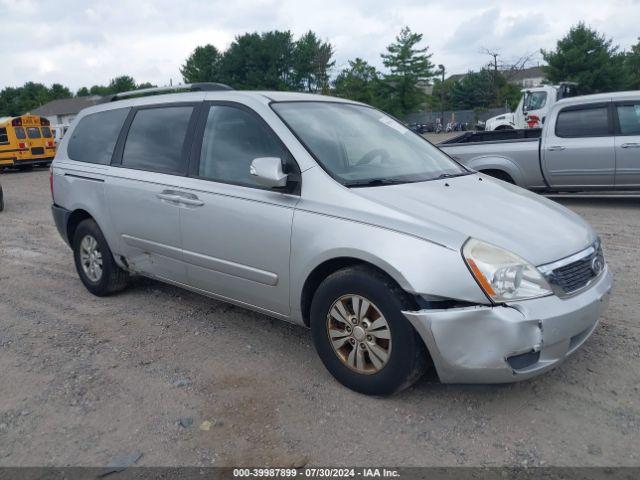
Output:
x=94 y=262
x=361 y=335
x=500 y=175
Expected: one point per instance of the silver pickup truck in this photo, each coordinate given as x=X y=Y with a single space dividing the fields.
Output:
x=590 y=142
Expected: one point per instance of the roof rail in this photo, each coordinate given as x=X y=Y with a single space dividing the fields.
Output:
x=190 y=87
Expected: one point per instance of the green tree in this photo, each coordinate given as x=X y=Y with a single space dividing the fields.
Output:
x=83 y=92
x=410 y=69
x=632 y=68
x=359 y=81
x=59 y=91
x=123 y=83
x=203 y=65
x=588 y=58
x=312 y=60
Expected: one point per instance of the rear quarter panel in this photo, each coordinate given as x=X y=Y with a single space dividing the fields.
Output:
x=519 y=159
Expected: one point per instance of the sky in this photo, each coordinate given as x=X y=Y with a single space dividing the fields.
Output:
x=87 y=42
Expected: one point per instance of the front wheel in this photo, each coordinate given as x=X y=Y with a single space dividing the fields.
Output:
x=94 y=262
x=361 y=335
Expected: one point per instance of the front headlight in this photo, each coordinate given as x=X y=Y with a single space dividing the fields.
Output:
x=503 y=275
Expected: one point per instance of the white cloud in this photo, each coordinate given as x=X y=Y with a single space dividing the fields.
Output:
x=87 y=42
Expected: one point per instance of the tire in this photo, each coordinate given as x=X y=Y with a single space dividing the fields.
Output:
x=406 y=358
x=500 y=175
x=111 y=278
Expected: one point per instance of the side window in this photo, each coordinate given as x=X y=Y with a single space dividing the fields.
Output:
x=629 y=119
x=94 y=138
x=233 y=138
x=583 y=122
x=156 y=139
x=4 y=138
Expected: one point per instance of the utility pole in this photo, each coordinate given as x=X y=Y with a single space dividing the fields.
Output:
x=441 y=67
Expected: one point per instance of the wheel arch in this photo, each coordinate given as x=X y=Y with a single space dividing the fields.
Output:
x=78 y=215
x=332 y=265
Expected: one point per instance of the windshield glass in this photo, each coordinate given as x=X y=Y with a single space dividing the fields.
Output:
x=359 y=145
x=535 y=100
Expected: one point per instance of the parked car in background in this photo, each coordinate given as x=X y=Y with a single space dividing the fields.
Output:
x=330 y=214
x=534 y=106
x=589 y=142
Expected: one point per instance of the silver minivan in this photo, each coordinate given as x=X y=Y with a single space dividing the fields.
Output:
x=330 y=214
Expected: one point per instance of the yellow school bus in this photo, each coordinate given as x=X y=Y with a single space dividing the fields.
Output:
x=26 y=141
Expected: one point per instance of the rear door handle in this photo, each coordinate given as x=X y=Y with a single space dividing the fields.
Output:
x=192 y=202
x=556 y=148
x=630 y=145
x=184 y=198
x=168 y=196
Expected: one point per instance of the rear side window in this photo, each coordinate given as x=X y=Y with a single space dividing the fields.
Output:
x=20 y=133
x=583 y=122
x=94 y=139
x=4 y=138
x=629 y=119
x=156 y=138
x=33 y=132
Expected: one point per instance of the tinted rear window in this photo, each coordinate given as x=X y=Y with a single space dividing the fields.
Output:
x=94 y=139
x=46 y=132
x=585 y=122
x=156 y=139
x=33 y=132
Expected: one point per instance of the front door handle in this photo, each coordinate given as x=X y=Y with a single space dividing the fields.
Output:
x=630 y=145
x=556 y=148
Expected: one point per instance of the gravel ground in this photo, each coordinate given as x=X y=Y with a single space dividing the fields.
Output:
x=85 y=379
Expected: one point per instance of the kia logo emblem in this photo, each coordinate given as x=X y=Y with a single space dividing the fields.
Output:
x=597 y=264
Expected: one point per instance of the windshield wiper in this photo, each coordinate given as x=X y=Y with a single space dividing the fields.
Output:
x=376 y=182
x=451 y=175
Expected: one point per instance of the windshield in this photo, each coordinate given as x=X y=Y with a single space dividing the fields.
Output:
x=359 y=145
x=535 y=100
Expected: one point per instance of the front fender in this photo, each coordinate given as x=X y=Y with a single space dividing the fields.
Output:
x=418 y=266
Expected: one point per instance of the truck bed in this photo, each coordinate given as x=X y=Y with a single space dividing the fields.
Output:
x=494 y=136
x=512 y=155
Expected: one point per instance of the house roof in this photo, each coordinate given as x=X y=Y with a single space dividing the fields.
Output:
x=66 y=106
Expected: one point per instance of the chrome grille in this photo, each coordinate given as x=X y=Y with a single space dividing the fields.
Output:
x=574 y=273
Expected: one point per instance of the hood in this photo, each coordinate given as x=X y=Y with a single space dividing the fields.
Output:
x=533 y=227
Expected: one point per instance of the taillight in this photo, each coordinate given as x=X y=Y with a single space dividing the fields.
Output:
x=49 y=143
x=51 y=183
x=22 y=145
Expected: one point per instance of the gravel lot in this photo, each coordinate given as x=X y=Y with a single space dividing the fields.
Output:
x=85 y=378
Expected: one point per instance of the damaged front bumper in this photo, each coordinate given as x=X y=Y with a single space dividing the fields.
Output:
x=511 y=342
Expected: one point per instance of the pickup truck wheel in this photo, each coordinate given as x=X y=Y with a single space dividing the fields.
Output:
x=94 y=262
x=361 y=335
x=500 y=175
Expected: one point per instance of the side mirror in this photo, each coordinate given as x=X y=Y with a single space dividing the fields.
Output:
x=268 y=172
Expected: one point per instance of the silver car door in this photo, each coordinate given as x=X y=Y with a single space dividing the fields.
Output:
x=578 y=148
x=144 y=208
x=236 y=236
x=627 y=144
